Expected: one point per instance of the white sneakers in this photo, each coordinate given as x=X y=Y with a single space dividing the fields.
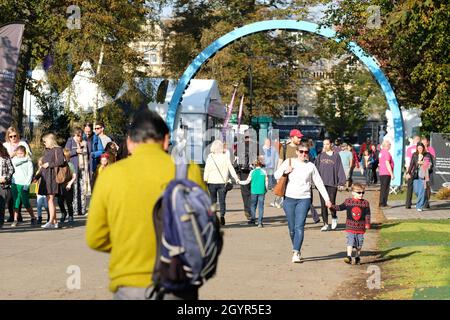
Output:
x=296 y=257
x=334 y=223
x=325 y=228
x=50 y=225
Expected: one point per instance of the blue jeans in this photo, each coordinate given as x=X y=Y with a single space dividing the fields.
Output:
x=296 y=211
x=41 y=203
x=419 y=190
x=257 y=200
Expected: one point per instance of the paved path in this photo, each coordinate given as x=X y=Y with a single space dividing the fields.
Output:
x=255 y=263
x=439 y=209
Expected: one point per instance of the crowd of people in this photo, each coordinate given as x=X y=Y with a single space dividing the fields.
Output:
x=120 y=216
x=82 y=159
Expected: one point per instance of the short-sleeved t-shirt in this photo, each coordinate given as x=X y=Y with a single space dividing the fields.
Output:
x=346 y=157
x=385 y=156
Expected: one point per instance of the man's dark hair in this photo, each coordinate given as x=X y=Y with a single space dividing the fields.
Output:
x=147 y=125
x=100 y=123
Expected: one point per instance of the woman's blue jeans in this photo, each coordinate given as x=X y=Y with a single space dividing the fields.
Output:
x=419 y=189
x=296 y=211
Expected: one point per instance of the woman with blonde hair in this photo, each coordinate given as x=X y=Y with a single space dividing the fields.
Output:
x=218 y=167
x=13 y=140
x=52 y=159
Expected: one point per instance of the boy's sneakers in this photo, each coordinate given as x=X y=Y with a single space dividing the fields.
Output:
x=325 y=228
x=260 y=225
x=348 y=260
x=357 y=260
x=334 y=223
x=14 y=224
x=296 y=257
x=419 y=210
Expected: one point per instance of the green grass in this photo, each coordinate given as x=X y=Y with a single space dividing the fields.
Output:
x=418 y=259
x=402 y=196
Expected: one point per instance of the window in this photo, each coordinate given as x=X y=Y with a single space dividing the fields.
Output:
x=291 y=111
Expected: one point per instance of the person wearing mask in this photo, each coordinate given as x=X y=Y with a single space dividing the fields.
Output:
x=386 y=170
x=297 y=202
x=331 y=171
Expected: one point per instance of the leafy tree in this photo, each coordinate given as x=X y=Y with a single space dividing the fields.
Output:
x=412 y=46
x=271 y=58
x=107 y=26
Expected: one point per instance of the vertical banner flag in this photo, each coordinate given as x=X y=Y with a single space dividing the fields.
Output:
x=441 y=171
x=241 y=106
x=10 y=42
x=230 y=108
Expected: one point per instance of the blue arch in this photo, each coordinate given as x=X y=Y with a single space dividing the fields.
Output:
x=294 y=25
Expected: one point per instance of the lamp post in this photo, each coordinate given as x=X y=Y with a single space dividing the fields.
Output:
x=251 y=90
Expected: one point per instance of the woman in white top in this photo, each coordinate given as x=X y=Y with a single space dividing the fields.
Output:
x=218 y=167
x=298 y=194
x=12 y=141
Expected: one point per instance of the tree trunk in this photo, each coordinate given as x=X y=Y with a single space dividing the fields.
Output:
x=21 y=80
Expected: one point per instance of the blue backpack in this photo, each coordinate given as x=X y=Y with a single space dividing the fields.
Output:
x=188 y=235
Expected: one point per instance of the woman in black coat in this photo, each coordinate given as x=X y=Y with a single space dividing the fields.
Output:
x=53 y=158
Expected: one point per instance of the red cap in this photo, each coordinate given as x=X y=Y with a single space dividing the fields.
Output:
x=295 y=133
x=105 y=155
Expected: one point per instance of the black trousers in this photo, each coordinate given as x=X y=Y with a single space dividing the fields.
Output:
x=409 y=192
x=66 y=198
x=385 y=181
x=5 y=194
x=427 y=195
x=218 y=189
x=374 y=174
x=332 y=191
x=246 y=192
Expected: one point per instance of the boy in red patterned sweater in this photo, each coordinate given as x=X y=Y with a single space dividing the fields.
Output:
x=358 y=220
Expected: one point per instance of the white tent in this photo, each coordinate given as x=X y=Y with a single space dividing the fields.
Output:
x=83 y=94
x=31 y=108
x=201 y=109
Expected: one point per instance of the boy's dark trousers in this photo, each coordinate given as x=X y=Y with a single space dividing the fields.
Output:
x=409 y=192
x=332 y=191
x=66 y=197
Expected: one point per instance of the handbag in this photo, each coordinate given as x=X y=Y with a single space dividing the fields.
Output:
x=63 y=172
x=228 y=185
x=280 y=188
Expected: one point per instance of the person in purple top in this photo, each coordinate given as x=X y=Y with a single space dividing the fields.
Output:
x=331 y=170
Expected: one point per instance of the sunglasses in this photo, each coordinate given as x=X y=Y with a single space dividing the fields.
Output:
x=359 y=192
x=303 y=151
x=13 y=136
x=98 y=128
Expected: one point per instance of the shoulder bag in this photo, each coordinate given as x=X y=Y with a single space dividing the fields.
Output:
x=280 y=188
x=228 y=184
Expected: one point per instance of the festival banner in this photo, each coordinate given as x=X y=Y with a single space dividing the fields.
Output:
x=10 y=42
x=441 y=172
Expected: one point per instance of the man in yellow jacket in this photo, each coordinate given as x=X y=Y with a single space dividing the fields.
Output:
x=120 y=218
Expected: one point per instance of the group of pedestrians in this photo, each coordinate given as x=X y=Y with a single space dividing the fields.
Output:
x=65 y=175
